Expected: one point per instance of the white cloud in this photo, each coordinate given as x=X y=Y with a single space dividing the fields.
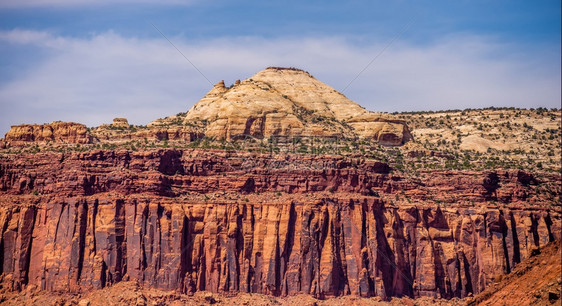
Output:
x=91 y=80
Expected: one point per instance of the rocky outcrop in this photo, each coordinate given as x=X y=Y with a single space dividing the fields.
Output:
x=110 y=134
x=120 y=123
x=55 y=132
x=287 y=102
x=69 y=133
x=226 y=221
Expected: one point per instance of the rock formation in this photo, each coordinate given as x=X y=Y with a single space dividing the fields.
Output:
x=110 y=134
x=288 y=102
x=56 y=132
x=226 y=221
x=276 y=102
x=120 y=123
x=414 y=221
x=535 y=281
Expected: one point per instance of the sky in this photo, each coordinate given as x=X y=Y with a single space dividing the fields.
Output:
x=90 y=61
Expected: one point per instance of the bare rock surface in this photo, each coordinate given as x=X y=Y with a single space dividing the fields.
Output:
x=113 y=215
x=120 y=123
x=57 y=132
x=535 y=281
x=289 y=102
x=281 y=225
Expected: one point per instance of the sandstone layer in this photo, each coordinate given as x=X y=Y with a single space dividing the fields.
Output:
x=109 y=134
x=288 y=102
x=120 y=123
x=55 y=132
x=221 y=221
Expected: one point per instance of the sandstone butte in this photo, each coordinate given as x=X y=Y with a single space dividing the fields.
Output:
x=275 y=102
x=290 y=102
x=229 y=221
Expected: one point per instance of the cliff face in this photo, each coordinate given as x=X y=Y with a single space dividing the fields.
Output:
x=331 y=248
x=225 y=222
x=56 y=132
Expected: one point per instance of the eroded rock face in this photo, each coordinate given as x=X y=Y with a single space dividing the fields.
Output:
x=330 y=248
x=106 y=134
x=288 y=102
x=56 y=132
x=281 y=225
x=120 y=123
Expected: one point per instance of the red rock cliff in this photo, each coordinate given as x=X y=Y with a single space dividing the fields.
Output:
x=283 y=225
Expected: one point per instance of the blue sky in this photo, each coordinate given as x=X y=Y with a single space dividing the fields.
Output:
x=89 y=61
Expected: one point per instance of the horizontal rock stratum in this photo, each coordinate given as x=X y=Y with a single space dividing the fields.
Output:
x=227 y=221
x=55 y=132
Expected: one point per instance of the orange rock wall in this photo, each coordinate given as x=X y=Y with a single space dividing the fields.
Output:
x=97 y=218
